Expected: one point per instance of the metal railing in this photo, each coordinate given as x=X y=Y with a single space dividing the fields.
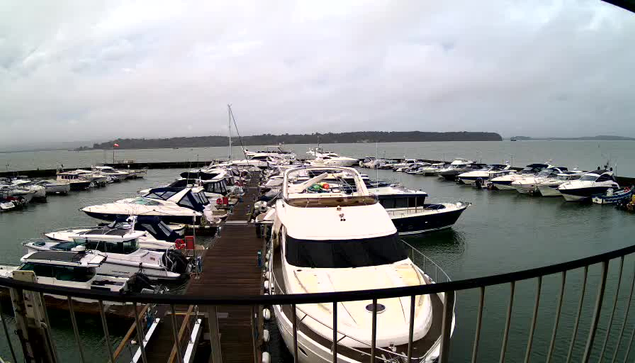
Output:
x=620 y=343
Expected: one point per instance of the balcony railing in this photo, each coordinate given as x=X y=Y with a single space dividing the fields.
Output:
x=615 y=342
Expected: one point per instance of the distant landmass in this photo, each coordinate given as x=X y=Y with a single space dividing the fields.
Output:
x=598 y=138
x=269 y=139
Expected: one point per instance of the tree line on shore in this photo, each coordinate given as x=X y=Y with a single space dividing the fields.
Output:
x=270 y=139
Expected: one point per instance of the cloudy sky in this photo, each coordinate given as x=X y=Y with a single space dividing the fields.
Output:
x=85 y=70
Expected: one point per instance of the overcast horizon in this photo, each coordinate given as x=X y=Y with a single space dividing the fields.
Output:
x=88 y=71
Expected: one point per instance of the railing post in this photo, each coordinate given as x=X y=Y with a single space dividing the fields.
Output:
x=140 y=337
x=479 y=321
x=75 y=328
x=411 y=327
x=552 y=345
x=508 y=322
x=254 y=327
x=625 y=320
x=596 y=313
x=373 y=332
x=334 y=331
x=534 y=319
x=577 y=318
x=617 y=295
x=294 y=321
x=104 y=324
x=177 y=341
x=446 y=326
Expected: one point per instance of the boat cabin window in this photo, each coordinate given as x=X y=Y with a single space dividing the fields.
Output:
x=181 y=183
x=344 y=253
x=145 y=201
x=605 y=177
x=39 y=270
x=589 y=177
x=78 y=274
x=218 y=187
x=124 y=248
x=402 y=202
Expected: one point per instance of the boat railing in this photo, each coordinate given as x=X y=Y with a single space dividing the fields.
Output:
x=600 y=327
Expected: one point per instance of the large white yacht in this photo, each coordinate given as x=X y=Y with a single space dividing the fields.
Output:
x=114 y=174
x=271 y=151
x=77 y=180
x=332 y=240
x=590 y=184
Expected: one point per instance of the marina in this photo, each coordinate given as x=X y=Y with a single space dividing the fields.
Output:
x=463 y=250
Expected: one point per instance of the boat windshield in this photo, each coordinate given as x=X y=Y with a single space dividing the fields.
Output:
x=125 y=248
x=62 y=273
x=344 y=253
x=144 y=201
x=589 y=177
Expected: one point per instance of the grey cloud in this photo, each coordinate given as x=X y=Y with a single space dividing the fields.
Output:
x=97 y=70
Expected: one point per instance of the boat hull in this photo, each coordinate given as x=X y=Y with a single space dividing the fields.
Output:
x=83 y=185
x=549 y=191
x=582 y=194
x=165 y=218
x=427 y=221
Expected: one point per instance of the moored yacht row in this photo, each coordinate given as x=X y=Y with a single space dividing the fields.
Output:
x=18 y=192
x=541 y=179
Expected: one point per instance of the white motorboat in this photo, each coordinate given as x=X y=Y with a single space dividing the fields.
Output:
x=482 y=176
x=12 y=193
x=156 y=235
x=402 y=166
x=456 y=167
x=183 y=206
x=548 y=187
x=596 y=182
x=329 y=158
x=72 y=269
x=39 y=192
x=529 y=183
x=112 y=173
x=55 y=186
x=504 y=182
x=77 y=180
x=271 y=151
x=411 y=215
x=430 y=170
x=334 y=240
x=123 y=255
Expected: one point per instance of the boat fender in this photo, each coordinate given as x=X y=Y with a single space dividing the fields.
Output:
x=266 y=357
x=179 y=244
x=266 y=285
x=266 y=314
x=266 y=336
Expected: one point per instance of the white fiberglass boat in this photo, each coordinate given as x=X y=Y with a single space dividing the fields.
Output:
x=354 y=246
x=529 y=183
x=596 y=182
x=123 y=257
x=55 y=186
x=114 y=174
x=329 y=158
x=549 y=187
x=482 y=176
x=72 y=269
x=504 y=182
x=183 y=206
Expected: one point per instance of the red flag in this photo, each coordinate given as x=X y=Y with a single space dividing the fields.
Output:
x=116 y=145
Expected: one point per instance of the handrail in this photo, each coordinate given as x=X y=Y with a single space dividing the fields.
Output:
x=385 y=293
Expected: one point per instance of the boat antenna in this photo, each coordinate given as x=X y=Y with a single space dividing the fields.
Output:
x=232 y=118
x=229 y=128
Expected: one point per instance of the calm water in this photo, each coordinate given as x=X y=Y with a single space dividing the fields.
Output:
x=500 y=232
x=581 y=154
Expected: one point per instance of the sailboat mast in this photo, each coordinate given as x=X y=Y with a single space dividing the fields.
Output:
x=229 y=115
